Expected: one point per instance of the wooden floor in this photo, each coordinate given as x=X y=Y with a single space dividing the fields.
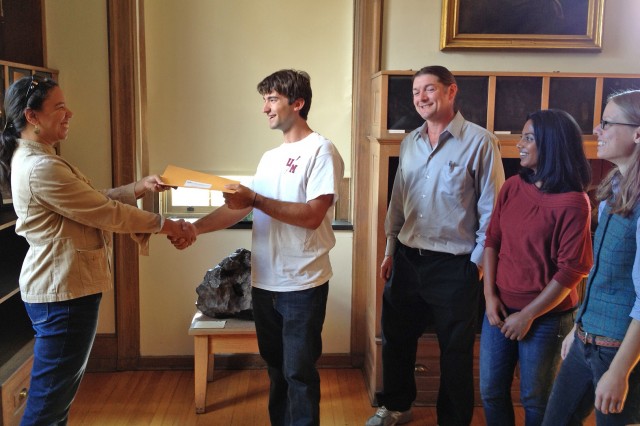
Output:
x=234 y=398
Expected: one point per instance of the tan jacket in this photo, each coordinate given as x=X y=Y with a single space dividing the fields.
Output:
x=68 y=225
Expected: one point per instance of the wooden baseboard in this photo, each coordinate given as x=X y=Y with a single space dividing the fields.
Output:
x=183 y=362
x=234 y=362
x=104 y=357
x=104 y=354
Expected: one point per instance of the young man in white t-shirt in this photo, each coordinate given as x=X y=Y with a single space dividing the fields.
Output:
x=293 y=195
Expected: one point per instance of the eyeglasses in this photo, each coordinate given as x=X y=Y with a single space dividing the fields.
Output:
x=604 y=124
x=31 y=89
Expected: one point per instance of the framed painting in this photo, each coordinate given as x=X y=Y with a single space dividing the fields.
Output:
x=522 y=24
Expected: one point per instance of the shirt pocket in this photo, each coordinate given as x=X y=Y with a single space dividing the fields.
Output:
x=93 y=266
x=454 y=180
x=85 y=266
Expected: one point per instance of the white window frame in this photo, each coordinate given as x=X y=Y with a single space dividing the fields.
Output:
x=176 y=202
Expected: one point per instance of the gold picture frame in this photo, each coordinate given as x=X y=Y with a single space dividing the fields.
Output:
x=536 y=24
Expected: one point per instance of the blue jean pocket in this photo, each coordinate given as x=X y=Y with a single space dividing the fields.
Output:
x=38 y=312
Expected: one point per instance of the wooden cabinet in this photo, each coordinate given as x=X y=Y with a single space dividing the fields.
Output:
x=499 y=102
x=12 y=71
x=16 y=333
x=382 y=151
x=22 y=31
x=383 y=163
x=14 y=387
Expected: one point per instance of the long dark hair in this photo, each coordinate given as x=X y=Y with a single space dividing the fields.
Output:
x=28 y=92
x=562 y=165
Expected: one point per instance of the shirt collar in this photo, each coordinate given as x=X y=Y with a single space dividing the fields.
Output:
x=454 y=128
x=37 y=146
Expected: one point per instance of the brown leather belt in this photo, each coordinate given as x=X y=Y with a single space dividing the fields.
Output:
x=594 y=339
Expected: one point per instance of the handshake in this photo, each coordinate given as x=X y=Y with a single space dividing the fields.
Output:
x=180 y=232
x=238 y=203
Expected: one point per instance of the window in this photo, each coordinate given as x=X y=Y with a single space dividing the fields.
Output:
x=194 y=203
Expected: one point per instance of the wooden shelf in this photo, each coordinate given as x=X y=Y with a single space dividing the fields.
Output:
x=500 y=101
x=7 y=219
x=383 y=163
x=14 y=353
x=7 y=291
x=12 y=251
x=15 y=382
x=16 y=333
x=508 y=146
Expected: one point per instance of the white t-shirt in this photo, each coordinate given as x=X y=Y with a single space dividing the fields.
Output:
x=287 y=257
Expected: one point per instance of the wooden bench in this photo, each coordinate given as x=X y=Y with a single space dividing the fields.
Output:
x=237 y=336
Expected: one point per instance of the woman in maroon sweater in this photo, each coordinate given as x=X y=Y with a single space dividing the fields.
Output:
x=537 y=249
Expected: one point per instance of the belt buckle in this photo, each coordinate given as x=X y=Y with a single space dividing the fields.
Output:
x=583 y=335
x=590 y=338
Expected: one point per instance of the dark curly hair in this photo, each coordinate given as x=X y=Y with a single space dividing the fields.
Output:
x=293 y=84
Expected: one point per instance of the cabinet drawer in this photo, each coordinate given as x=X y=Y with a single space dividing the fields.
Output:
x=14 y=394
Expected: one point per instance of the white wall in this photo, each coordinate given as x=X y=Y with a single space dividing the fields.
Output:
x=204 y=58
x=76 y=45
x=203 y=64
x=203 y=112
x=168 y=291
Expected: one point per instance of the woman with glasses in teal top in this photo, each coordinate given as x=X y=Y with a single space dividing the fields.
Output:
x=602 y=352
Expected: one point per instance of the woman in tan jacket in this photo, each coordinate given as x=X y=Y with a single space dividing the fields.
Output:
x=68 y=226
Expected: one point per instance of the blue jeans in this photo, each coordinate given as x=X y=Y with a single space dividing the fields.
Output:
x=444 y=289
x=289 y=330
x=573 y=396
x=64 y=335
x=539 y=357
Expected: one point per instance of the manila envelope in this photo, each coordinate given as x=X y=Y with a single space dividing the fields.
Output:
x=176 y=176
